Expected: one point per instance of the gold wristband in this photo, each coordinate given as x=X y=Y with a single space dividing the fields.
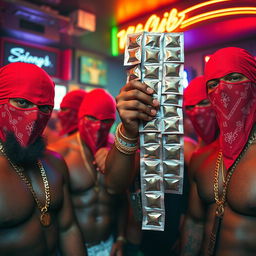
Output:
x=125 y=149
x=123 y=136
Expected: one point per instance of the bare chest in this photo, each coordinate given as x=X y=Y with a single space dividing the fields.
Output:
x=241 y=190
x=17 y=203
x=83 y=174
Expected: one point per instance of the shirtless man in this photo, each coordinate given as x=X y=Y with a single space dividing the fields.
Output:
x=96 y=209
x=221 y=216
x=36 y=216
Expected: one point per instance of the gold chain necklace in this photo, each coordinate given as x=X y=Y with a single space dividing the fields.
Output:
x=86 y=164
x=45 y=217
x=222 y=170
x=220 y=202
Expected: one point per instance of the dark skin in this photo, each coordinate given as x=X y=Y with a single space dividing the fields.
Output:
x=202 y=103
x=238 y=229
x=96 y=209
x=134 y=103
x=21 y=232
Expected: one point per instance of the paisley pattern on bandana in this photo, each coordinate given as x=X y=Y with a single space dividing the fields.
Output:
x=204 y=122
x=235 y=107
x=26 y=124
x=94 y=133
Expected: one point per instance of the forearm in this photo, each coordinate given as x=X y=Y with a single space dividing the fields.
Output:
x=192 y=237
x=71 y=242
x=120 y=170
x=122 y=217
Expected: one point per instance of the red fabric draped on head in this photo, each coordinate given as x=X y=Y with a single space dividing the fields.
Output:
x=230 y=60
x=99 y=104
x=29 y=82
x=69 y=117
x=26 y=81
x=202 y=117
x=73 y=99
x=195 y=92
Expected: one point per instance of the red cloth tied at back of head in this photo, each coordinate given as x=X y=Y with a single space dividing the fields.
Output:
x=26 y=81
x=195 y=92
x=99 y=104
x=73 y=99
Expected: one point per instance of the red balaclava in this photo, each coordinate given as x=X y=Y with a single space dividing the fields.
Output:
x=69 y=117
x=101 y=105
x=234 y=103
x=29 y=82
x=203 y=118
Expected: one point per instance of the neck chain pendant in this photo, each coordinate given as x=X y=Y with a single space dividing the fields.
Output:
x=45 y=219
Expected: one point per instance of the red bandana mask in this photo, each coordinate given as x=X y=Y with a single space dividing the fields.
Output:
x=68 y=121
x=234 y=103
x=204 y=122
x=69 y=117
x=101 y=105
x=26 y=124
x=29 y=82
x=203 y=118
x=94 y=133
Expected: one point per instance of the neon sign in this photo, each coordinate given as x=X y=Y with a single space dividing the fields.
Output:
x=18 y=54
x=178 y=21
x=45 y=58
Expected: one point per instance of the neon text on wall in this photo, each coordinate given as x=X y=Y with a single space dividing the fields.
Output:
x=175 y=20
x=19 y=54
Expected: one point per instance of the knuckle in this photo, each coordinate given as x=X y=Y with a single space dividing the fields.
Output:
x=137 y=104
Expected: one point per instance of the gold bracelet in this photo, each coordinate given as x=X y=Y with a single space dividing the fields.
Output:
x=123 y=136
x=125 y=149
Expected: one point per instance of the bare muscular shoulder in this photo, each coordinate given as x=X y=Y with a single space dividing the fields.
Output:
x=202 y=154
x=190 y=146
x=57 y=162
x=65 y=145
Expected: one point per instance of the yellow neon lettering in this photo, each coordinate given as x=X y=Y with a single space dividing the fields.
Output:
x=162 y=25
x=174 y=19
x=139 y=28
x=152 y=23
